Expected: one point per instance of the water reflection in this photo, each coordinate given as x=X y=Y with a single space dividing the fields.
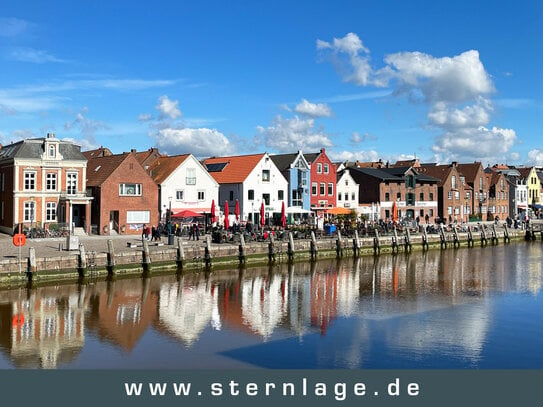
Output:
x=406 y=309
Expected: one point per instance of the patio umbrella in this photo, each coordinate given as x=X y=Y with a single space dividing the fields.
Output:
x=186 y=213
x=226 y=214
x=394 y=212
x=283 y=219
x=262 y=214
x=213 y=211
x=236 y=210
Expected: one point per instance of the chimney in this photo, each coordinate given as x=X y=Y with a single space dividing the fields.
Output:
x=50 y=135
x=454 y=163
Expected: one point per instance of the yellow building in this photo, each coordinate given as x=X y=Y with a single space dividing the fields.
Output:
x=529 y=175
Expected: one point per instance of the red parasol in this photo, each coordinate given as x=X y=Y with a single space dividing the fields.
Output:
x=212 y=211
x=394 y=212
x=283 y=218
x=186 y=213
x=226 y=214
x=262 y=214
x=236 y=210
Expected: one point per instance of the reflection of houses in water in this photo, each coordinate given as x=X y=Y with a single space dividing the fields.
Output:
x=43 y=328
x=123 y=311
x=264 y=303
x=324 y=298
x=186 y=309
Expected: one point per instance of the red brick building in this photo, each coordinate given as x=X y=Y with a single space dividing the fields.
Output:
x=323 y=180
x=42 y=183
x=473 y=175
x=498 y=195
x=125 y=196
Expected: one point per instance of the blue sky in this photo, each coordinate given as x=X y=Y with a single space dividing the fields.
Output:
x=366 y=80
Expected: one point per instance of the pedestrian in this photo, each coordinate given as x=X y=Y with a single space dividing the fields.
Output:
x=153 y=233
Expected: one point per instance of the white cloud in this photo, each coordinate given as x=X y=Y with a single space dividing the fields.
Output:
x=482 y=144
x=445 y=115
x=363 y=156
x=88 y=127
x=34 y=55
x=286 y=135
x=350 y=44
x=313 y=109
x=168 y=108
x=360 y=138
x=12 y=27
x=535 y=157
x=200 y=142
x=145 y=117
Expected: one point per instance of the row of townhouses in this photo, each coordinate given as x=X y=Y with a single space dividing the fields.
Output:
x=48 y=181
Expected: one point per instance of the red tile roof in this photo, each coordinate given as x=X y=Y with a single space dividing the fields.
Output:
x=237 y=168
x=164 y=166
x=100 y=168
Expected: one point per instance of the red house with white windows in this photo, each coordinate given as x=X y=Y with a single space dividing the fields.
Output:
x=323 y=181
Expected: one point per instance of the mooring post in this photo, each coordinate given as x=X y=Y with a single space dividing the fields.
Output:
x=290 y=248
x=376 y=243
x=533 y=232
x=82 y=261
x=494 y=237
x=443 y=240
x=271 y=249
x=424 y=239
x=483 y=235
x=241 y=249
x=180 y=255
x=32 y=266
x=407 y=241
x=110 y=257
x=506 y=238
x=456 y=241
x=356 y=244
x=470 y=237
x=339 y=247
x=146 y=258
x=313 y=246
x=394 y=240
x=207 y=252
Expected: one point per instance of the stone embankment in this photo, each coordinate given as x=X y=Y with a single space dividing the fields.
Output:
x=93 y=257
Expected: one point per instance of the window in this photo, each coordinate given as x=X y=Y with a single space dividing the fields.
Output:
x=51 y=212
x=449 y=210
x=51 y=151
x=463 y=180
x=456 y=194
x=129 y=189
x=346 y=182
x=322 y=188
x=280 y=195
x=410 y=181
x=453 y=182
x=481 y=183
x=410 y=198
x=179 y=195
x=319 y=168
x=330 y=188
x=326 y=169
x=297 y=198
x=266 y=199
x=29 y=180
x=387 y=196
x=201 y=195
x=71 y=183
x=399 y=195
x=251 y=194
x=339 y=196
x=449 y=195
x=353 y=196
x=191 y=176
x=51 y=181
x=468 y=195
x=29 y=211
x=421 y=196
x=265 y=175
x=431 y=196
x=231 y=196
x=303 y=176
x=346 y=196
x=313 y=188
x=138 y=216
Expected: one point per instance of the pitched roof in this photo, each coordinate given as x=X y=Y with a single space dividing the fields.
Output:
x=524 y=171
x=233 y=169
x=469 y=171
x=34 y=148
x=148 y=157
x=283 y=161
x=164 y=166
x=440 y=172
x=99 y=152
x=390 y=174
x=100 y=168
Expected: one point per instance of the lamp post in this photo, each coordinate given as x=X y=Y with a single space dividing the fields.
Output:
x=170 y=235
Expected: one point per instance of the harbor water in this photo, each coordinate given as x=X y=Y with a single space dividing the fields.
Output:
x=468 y=308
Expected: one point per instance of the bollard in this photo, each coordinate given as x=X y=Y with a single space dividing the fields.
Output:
x=82 y=261
x=394 y=241
x=506 y=238
x=207 y=252
x=146 y=258
x=271 y=249
x=339 y=248
x=483 y=236
x=407 y=241
x=424 y=239
x=241 y=249
x=180 y=255
x=356 y=244
x=456 y=241
x=494 y=237
x=376 y=244
x=110 y=257
x=443 y=240
x=32 y=265
x=470 y=237
x=290 y=248
x=313 y=246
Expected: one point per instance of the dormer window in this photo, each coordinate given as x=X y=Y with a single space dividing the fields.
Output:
x=52 y=151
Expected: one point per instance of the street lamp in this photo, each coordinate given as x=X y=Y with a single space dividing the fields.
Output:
x=170 y=236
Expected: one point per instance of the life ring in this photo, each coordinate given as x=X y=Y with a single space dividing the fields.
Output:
x=18 y=320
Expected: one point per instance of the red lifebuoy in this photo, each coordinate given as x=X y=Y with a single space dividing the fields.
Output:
x=18 y=320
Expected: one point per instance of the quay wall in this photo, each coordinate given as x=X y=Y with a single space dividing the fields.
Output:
x=160 y=258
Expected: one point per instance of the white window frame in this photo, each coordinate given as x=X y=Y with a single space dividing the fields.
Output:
x=29 y=211
x=138 y=216
x=319 y=168
x=201 y=195
x=180 y=195
x=51 y=179
x=71 y=183
x=51 y=212
x=123 y=188
x=191 y=176
x=30 y=178
x=326 y=168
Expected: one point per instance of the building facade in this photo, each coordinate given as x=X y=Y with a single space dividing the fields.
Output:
x=347 y=190
x=323 y=181
x=42 y=185
x=297 y=172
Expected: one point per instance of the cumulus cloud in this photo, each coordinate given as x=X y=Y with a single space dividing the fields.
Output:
x=455 y=89
x=288 y=134
x=168 y=108
x=535 y=157
x=313 y=109
x=87 y=127
x=345 y=155
x=13 y=27
x=360 y=138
